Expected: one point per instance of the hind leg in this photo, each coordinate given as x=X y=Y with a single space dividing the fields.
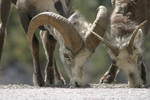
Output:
x=52 y=75
x=110 y=75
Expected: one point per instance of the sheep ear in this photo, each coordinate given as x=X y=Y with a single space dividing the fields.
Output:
x=139 y=38
x=113 y=2
x=109 y=37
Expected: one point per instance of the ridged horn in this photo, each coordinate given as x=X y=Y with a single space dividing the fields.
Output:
x=130 y=46
x=99 y=26
x=72 y=39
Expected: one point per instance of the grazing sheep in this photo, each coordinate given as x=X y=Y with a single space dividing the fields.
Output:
x=125 y=40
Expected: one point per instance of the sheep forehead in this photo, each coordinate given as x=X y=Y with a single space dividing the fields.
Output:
x=125 y=55
x=121 y=43
x=82 y=56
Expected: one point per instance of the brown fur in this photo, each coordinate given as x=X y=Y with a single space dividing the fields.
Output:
x=130 y=13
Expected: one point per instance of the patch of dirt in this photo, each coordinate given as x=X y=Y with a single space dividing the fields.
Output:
x=25 y=86
x=89 y=92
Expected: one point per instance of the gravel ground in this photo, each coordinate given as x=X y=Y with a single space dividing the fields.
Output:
x=92 y=92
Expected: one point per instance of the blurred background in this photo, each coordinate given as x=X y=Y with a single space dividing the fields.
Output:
x=17 y=66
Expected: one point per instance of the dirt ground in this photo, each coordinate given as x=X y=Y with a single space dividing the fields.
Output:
x=91 y=92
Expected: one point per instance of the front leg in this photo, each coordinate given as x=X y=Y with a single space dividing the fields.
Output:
x=110 y=75
x=52 y=75
x=34 y=48
x=37 y=76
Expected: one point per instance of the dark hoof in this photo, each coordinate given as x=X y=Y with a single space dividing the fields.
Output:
x=38 y=80
x=60 y=83
x=56 y=82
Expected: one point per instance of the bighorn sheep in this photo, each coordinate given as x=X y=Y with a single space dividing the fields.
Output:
x=126 y=39
x=77 y=43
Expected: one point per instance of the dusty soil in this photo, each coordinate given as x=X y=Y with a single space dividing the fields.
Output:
x=91 y=92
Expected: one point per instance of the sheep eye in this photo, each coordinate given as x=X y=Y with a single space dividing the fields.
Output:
x=66 y=55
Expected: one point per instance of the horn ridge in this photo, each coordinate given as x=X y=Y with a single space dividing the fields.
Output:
x=99 y=26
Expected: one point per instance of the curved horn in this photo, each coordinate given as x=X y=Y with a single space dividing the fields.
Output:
x=99 y=26
x=70 y=35
x=112 y=48
x=130 y=46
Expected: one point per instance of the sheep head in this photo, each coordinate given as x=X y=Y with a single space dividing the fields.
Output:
x=127 y=53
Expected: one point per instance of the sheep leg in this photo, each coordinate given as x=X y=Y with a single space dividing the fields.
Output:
x=37 y=76
x=5 y=12
x=52 y=75
x=143 y=73
x=110 y=75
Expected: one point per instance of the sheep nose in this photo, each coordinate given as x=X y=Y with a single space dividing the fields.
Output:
x=77 y=82
x=77 y=85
